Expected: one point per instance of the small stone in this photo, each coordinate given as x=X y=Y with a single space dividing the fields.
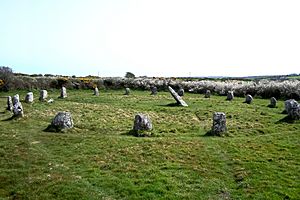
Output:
x=153 y=90
x=43 y=95
x=9 y=104
x=273 y=102
x=230 y=96
x=18 y=110
x=207 y=94
x=142 y=122
x=248 y=99
x=62 y=121
x=127 y=91
x=181 y=92
x=219 y=124
x=50 y=101
x=178 y=99
x=96 y=91
x=293 y=109
x=63 y=92
x=29 y=97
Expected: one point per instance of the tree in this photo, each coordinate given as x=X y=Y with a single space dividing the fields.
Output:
x=7 y=76
x=129 y=75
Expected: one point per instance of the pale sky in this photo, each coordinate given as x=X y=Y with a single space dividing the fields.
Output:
x=151 y=37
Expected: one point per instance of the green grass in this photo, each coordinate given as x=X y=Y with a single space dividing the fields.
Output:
x=98 y=159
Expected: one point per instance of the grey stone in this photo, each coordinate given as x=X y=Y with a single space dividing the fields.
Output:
x=18 y=110
x=178 y=99
x=9 y=104
x=50 y=101
x=230 y=96
x=207 y=94
x=63 y=92
x=43 y=95
x=293 y=109
x=248 y=99
x=219 y=124
x=62 y=121
x=96 y=91
x=29 y=97
x=181 y=92
x=153 y=90
x=273 y=102
x=142 y=122
x=127 y=91
x=16 y=99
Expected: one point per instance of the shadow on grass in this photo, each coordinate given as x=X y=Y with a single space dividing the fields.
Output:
x=210 y=133
x=172 y=105
x=286 y=119
x=138 y=133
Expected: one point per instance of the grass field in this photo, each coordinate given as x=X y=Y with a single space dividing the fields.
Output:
x=98 y=159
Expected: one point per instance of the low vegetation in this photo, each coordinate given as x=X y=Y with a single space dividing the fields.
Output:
x=100 y=159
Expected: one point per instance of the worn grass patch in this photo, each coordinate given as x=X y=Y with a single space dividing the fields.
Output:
x=98 y=159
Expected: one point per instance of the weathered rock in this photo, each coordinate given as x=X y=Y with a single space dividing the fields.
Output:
x=230 y=96
x=29 y=97
x=219 y=124
x=9 y=104
x=181 y=92
x=248 y=99
x=153 y=90
x=127 y=91
x=62 y=121
x=63 y=92
x=142 y=122
x=50 y=101
x=207 y=94
x=96 y=91
x=43 y=95
x=16 y=99
x=293 y=109
x=273 y=102
x=177 y=97
x=18 y=110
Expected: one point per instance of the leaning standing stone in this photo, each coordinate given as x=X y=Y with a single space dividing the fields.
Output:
x=153 y=90
x=9 y=104
x=18 y=110
x=43 y=95
x=63 y=92
x=29 y=97
x=177 y=97
x=181 y=92
x=207 y=94
x=96 y=91
x=219 y=124
x=248 y=99
x=273 y=102
x=127 y=91
x=16 y=99
x=230 y=95
x=62 y=121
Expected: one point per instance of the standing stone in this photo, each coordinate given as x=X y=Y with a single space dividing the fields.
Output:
x=43 y=95
x=207 y=94
x=127 y=91
x=230 y=96
x=248 y=99
x=153 y=90
x=142 y=122
x=18 y=109
x=219 y=124
x=63 y=120
x=273 y=102
x=29 y=97
x=96 y=91
x=63 y=92
x=177 y=97
x=181 y=92
x=16 y=99
x=293 y=109
x=9 y=104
